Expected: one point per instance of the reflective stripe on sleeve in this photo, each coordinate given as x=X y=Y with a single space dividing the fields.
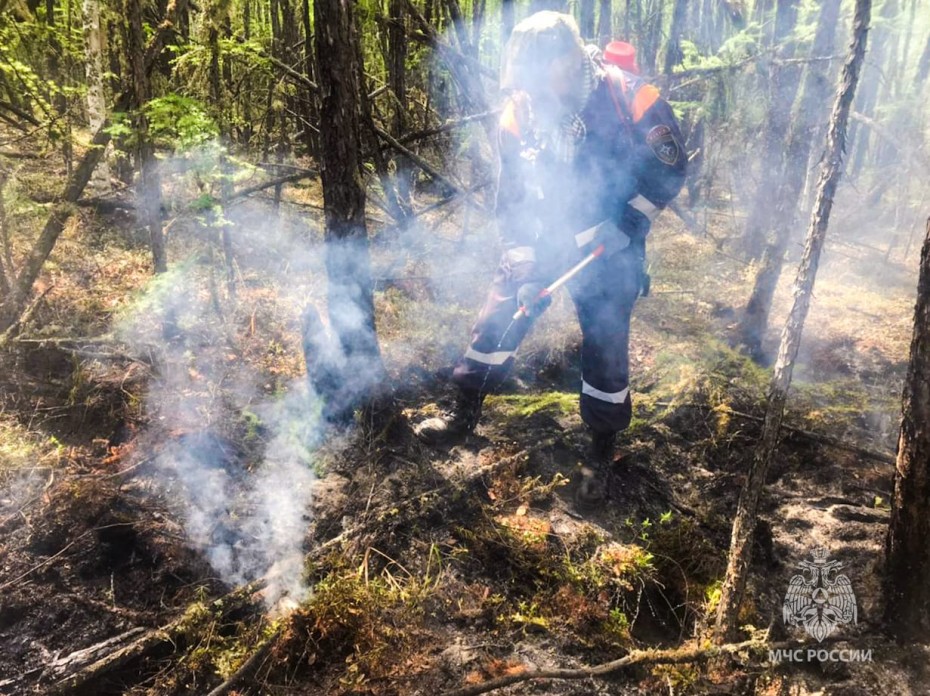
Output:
x=610 y=397
x=498 y=358
x=586 y=237
x=521 y=254
x=645 y=206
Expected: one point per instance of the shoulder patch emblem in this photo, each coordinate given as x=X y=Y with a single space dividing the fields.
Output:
x=663 y=144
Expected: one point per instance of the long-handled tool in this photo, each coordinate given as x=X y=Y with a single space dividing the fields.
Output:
x=567 y=276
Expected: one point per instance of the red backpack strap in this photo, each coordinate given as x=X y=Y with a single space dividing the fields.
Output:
x=616 y=85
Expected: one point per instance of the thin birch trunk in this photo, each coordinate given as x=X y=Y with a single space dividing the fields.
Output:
x=744 y=524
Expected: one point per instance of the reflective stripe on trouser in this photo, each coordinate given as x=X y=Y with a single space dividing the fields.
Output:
x=488 y=360
x=604 y=295
x=604 y=300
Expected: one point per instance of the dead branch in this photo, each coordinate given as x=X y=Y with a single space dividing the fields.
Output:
x=912 y=153
x=101 y=203
x=152 y=639
x=280 y=65
x=13 y=330
x=884 y=457
x=250 y=664
x=20 y=155
x=636 y=657
x=419 y=161
x=289 y=179
x=103 y=347
x=25 y=116
x=445 y=127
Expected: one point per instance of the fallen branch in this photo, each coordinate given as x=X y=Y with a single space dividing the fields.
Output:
x=447 y=126
x=289 y=179
x=419 y=161
x=149 y=641
x=885 y=457
x=912 y=153
x=23 y=319
x=250 y=664
x=54 y=557
x=16 y=111
x=635 y=657
x=280 y=65
x=451 y=198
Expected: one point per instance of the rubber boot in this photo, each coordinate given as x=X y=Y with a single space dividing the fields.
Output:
x=594 y=473
x=455 y=424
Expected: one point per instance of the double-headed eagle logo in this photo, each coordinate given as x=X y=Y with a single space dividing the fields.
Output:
x=819 y=603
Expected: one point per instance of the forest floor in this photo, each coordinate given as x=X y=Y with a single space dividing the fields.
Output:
x=429 y=568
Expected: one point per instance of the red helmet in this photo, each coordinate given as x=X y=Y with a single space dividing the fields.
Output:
x=623 y=55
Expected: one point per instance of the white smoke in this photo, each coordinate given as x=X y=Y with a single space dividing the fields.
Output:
x=233 y=444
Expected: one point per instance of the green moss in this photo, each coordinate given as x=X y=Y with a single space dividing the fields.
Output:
x=21 y=448
x=523 y=405
x=838 y=404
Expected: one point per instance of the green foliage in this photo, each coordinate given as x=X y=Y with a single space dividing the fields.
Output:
x=743 y=44
x=694 y=59
x=179 y=123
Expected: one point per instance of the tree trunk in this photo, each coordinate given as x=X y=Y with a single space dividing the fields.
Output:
x=747 y=509
x=149 y=191
x=397 y=80
x=650 y=37
x=57 y=75
x=923 y=67
x=289 y=44
x=551 y=5
x=310 y=111
x=586 y=19
x=860 y=140
x=396 y=206
x=465 y=72
x=6 y=251
x=788 y=193
x=673 y=54
x=454 y=11
x=477 y=24
x=93 y=61
x=907 y=552
x=350 y=300
x=783 y=88
x=605 y=29
x=885 y=154
x=507 y=21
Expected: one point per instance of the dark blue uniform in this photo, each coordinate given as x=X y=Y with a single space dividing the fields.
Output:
x=626 y=163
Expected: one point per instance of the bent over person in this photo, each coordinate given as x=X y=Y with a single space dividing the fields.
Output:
x=589 y=155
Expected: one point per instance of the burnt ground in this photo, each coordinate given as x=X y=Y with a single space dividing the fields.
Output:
x=432 y=568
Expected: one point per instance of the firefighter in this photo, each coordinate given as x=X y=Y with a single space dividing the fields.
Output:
x=589 y=155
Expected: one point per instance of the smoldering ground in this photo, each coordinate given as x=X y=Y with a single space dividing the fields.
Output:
x=248 y=511
x=235 y=425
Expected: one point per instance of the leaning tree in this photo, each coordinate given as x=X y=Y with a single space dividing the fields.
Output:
x=908 y=553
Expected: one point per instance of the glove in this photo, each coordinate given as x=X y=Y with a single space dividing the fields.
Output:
x=530 y=302
x=519 y=264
